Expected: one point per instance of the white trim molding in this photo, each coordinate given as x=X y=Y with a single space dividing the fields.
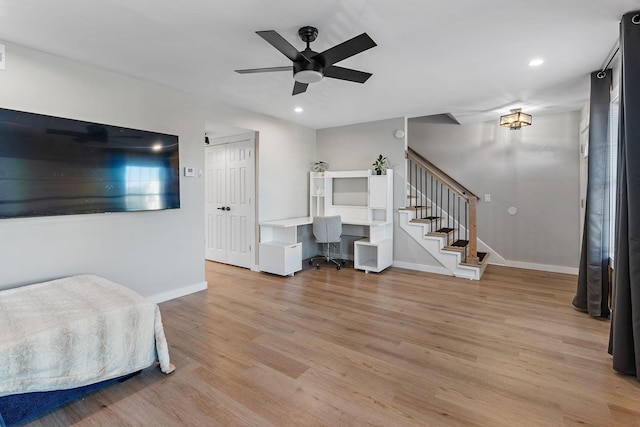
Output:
x=543 y=267
x=177 y=293
x=425 y=268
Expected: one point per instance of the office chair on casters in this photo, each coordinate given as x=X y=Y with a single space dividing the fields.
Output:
x=327 y=230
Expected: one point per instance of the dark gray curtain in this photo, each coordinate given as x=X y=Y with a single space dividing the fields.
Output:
x=624 y=341
x=592 y=295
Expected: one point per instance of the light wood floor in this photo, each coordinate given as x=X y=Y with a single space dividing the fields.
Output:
x=400 y=348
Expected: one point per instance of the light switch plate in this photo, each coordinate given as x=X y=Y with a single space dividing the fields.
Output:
x=2 y=58
x=487 y=198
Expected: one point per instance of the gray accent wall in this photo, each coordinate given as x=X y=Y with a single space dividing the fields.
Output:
x=153 y=253
x=355 y=147
x=535 y=169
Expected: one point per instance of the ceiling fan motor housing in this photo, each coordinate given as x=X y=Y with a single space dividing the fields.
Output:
x=307 y=72
x=303 y=71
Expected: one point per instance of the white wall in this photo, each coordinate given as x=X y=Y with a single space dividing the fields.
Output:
x=286 y=151
x=153 y=253
x=355 y=147
x=535 y=169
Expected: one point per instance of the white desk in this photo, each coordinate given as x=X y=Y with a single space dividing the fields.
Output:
x=362 y=200
x=281 y=248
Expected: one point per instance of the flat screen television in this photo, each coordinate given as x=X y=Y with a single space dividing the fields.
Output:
x=57 y=166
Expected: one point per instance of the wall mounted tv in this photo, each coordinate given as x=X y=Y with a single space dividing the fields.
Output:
x=56 y=166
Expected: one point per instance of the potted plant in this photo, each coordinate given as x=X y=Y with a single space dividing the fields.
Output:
x=320 y=166
x=380 y=165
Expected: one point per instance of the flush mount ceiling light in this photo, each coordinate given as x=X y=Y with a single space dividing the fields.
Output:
x=515 y=119
x=536 y=62
x=308 y=76
x=298 y=110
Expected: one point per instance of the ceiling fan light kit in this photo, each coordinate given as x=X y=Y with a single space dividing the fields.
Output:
x=311 y=67
x=515 y=119
x=308 y=76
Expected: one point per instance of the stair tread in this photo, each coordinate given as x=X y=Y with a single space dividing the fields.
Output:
x=414 y=208
x=426 y=220
x=443 y=232
x=447 y=237
x=457 y=246
x=483 y=258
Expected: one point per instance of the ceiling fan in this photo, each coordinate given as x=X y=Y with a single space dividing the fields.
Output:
x=309 y=66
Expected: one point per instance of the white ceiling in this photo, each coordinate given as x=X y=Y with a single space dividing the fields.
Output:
x=466 y=57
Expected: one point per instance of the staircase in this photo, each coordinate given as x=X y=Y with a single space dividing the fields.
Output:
x=441 y=217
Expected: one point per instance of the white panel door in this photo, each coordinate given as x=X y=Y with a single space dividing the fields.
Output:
x=215 y=199
x=239 y=202
x=229 y=202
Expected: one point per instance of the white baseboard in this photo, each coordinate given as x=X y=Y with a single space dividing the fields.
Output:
x=543 y=267
x=515 y=264
x=177 y=293
x=422 y=267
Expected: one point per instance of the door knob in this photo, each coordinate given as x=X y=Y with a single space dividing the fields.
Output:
x=227 y=208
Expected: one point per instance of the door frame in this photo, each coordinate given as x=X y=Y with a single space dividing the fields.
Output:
x=252 y=235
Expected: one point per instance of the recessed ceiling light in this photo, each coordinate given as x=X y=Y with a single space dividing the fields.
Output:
x=536 y=62
x=298 y=109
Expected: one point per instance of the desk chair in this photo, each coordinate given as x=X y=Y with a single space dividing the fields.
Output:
x=327 y=230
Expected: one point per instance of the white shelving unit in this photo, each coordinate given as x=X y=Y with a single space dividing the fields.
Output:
x=316 y=193
x=373 y=208
x=366 y=203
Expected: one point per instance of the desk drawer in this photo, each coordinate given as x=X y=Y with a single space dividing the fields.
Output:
x=280 y=258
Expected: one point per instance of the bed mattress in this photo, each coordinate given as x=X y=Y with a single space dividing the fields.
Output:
x=76 y=331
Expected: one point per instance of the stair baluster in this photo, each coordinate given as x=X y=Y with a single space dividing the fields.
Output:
x=427 y=183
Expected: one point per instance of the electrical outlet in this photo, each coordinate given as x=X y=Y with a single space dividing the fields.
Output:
x=487 y=198
x=2 y=58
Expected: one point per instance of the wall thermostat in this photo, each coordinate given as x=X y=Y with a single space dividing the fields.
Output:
x=189 y=171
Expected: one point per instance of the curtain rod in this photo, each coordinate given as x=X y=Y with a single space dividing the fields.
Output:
x=615 y=49
x=612 y=54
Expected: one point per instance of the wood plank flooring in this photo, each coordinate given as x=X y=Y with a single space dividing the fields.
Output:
x=399 y=348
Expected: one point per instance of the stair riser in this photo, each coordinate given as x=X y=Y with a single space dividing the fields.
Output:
x=435 y=246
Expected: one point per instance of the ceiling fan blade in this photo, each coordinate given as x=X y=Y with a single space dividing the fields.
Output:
x=287 y=49
x=299 y=88
x=341 y=73
x=345 y=50
x=264 y=70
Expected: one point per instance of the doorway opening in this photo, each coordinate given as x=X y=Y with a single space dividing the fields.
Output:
x=230 y=197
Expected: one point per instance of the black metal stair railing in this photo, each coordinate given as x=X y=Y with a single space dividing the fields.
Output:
x=445 y=203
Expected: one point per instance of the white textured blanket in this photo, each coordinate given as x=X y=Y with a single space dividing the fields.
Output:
x=76 y=331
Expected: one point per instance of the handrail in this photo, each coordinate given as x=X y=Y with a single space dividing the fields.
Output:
x=471 y=252
x=454 y=185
